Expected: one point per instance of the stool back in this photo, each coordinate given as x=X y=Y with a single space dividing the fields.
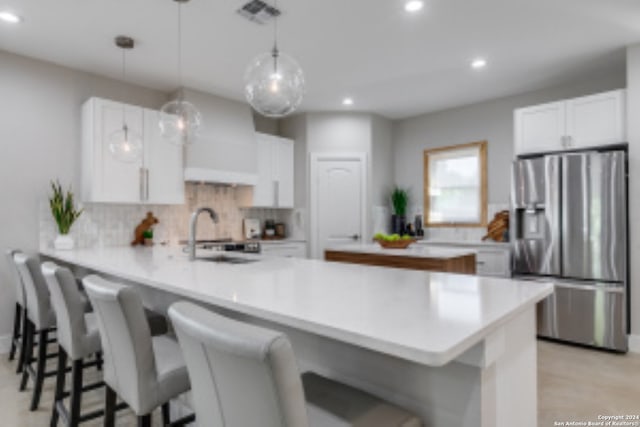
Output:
x=69 y=307
x=129 y=363
x=36 y=292
x=241 y=374
x=15 y=276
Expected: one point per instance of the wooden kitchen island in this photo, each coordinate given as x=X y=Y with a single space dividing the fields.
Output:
x=415 y=257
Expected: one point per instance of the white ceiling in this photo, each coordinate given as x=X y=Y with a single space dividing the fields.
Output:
x=389 y=61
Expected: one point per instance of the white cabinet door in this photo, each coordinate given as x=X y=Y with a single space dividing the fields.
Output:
x=264 y=190
x=284 y=172
x=540 y=128
x=286 y=250
x=275 y=174
x=596 y=119
x=106 y=179
x=493 y=263
x=163 y=163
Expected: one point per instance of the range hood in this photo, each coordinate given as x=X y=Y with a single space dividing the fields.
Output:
x=225 y=151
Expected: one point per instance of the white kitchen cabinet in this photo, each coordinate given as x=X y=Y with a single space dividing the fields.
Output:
x=493 y=262
x=275 y=175
x=163 y=163
x=284 y=249
x=156 y=178
x=596 y=119
x=571 y=124
x=492 y=259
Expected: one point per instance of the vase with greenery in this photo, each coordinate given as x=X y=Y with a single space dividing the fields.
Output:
x=399 y=203
x=65 y=213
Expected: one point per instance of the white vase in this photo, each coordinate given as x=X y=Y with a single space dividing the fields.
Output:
x=63 y=242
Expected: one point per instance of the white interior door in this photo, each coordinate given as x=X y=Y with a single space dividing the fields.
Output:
x=338 y=200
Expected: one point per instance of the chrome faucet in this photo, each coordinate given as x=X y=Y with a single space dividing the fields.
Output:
x=191 y=246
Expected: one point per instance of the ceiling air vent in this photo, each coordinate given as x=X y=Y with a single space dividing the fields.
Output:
x=259 y=12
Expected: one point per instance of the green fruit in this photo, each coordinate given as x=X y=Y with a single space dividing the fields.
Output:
x=406 y=237
x=378 y=236
x=394 y=237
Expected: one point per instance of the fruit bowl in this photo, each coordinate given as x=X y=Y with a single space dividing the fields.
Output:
x=395 y=244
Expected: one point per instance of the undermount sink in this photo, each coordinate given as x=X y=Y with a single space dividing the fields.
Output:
x=226 y=259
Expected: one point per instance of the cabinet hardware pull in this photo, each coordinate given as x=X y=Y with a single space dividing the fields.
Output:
x=142 y=185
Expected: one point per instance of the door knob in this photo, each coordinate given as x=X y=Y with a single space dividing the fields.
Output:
x=355 y=237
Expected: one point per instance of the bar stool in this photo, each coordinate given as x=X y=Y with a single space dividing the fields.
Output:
x=40 y=321
x=19 y=319
x=244 y=375
x=78 y=338
x=145 y=372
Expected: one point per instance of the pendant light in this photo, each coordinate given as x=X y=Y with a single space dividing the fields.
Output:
x=125 y=144
x=179 y=120
x=274 y=82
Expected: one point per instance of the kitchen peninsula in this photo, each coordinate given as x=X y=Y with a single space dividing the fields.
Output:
x=415 y=257
x=458 y=350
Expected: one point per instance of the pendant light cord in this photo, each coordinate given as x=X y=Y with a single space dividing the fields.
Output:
x=124 y=80
x=180 y=49
x=275 y=51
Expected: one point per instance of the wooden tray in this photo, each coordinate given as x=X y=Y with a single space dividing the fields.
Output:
x=397 y=244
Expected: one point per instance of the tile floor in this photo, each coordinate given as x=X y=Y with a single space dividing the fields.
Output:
x=574 y=385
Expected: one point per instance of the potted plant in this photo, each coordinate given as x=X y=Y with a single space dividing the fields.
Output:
x=148 y=237
x=64 y=213
x=399 y=203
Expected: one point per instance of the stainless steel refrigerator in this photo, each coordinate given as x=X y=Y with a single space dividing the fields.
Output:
x=570 y=226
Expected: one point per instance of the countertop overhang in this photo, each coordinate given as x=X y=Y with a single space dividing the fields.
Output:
x=427 y=318
x=415 y=250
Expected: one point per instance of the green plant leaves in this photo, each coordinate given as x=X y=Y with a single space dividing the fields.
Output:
x=400 y=200
x=63 y=207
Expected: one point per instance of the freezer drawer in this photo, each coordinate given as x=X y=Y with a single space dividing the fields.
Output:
x=592 y=314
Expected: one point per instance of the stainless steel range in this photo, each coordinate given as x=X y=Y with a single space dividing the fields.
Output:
x=569 y=225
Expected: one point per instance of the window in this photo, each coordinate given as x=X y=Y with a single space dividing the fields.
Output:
x=455 y=186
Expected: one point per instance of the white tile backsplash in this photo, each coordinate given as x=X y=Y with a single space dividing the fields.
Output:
x=113 y=224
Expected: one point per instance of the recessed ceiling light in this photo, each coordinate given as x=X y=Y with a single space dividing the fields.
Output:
x=413 y=5
x=9 y=17
x=478 y=63
x=347 y=101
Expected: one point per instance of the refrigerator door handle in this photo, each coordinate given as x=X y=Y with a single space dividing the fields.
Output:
x=602 y=287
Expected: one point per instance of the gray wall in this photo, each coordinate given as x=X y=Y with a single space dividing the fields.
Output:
x=40 y=136
x=491 y=121
x=266 y=125
x=633 y=134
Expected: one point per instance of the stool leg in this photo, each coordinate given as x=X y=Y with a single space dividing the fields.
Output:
x=109 y=407
x=27 y=353
x=43 y=336
x=166 y=414
x=23 y=341
x=60 y=380
x=16 y=331
x=99 y=361
x=76 y=393
x=144 y=420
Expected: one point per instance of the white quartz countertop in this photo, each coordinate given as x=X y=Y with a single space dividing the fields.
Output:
x=417 y=251
x=428 y=318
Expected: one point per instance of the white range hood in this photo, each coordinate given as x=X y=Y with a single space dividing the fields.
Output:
x=225 y=151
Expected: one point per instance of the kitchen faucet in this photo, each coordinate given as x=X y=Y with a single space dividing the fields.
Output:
x=191 y=246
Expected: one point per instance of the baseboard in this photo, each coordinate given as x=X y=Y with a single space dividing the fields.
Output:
x=5 y=344
x=634 y=343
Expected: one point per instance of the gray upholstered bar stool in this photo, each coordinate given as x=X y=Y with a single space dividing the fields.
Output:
x=145 y=372
x=40 y=321
x=20 y=315
x=78 y=338
x=244 y=375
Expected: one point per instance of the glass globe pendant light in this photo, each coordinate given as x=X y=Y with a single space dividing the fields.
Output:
x=179 y=120
x=274 y=82
x=125 y=144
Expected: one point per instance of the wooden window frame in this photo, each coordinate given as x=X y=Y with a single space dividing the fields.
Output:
x=482 y=145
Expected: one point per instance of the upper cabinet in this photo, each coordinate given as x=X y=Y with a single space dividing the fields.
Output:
x=275 y=174
x=571 y=124
x=156 y=178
